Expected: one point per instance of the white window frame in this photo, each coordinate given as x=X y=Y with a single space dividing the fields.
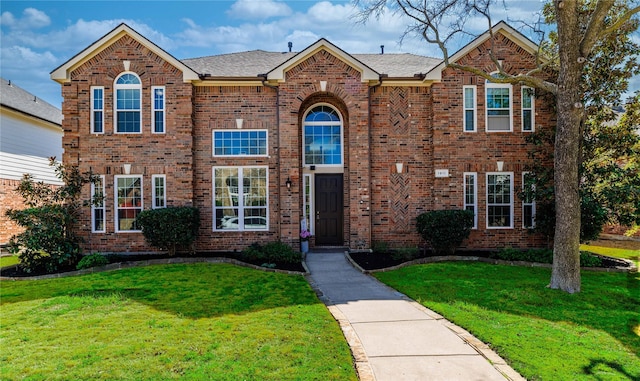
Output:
x=154 y=109
x=473 y=107
x=154 y=194
x=95 y=109
x=492 y=85
x=474 y=176
x=266 y=133
x=117 y=87
x=525 y=203
x=523 y=90
x=116 y=199
x=98 y=204
x=339 y=123
x=510 y=204
x=241 y=196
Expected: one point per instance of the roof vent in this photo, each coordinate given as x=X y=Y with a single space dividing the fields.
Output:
x=35 y=99
x=9 y=83
x=381 y=49
x=290 y=44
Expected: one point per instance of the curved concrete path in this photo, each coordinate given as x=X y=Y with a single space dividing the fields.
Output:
x=394 y=338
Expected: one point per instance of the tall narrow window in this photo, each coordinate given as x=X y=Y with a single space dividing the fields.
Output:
x=128 y=197
x=528 y=109
x=498 y=106
x=469 y=116
x=499 y=200
x=157 y=112
x=471 y=195
x=308 y=208
x=159 y=198
x=322 y=132
x=97 y=109
x=528 y=203
x=127 y=95
x=240 y=198
x=97 y=206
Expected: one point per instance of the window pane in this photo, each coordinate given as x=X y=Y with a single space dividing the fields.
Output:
x=240 y=143
x=128 y=121
x=468 y=120
x=240 y=207
x=526 y=120
x=129 y=202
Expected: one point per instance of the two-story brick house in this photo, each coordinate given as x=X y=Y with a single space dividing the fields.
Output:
x=358 y=145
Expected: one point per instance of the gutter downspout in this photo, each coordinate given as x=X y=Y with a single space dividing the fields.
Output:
x=371 y=88
x=278 y=177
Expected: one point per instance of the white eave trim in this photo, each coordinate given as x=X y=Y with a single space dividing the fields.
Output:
x=62 y=73
x=367 y=74
x=502 y=27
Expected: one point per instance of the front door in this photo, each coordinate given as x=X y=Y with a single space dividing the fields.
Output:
x=329 y=210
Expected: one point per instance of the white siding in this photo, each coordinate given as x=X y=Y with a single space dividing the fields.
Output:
x=25 y=147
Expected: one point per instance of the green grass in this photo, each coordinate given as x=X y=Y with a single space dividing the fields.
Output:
x=187 y=322
x=612 y=252
x=8 y=260
x=544 y=334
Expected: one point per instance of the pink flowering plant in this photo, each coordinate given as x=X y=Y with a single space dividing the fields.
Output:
x=305 y=235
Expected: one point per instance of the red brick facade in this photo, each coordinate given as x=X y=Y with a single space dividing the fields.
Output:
x=416 y=124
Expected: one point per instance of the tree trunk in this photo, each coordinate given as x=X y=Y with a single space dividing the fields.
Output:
x=565 y=273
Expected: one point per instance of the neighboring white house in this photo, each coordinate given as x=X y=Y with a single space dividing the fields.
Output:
x=30 y=133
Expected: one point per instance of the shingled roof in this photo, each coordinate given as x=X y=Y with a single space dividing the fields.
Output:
x=256 y=62
x=14 y=97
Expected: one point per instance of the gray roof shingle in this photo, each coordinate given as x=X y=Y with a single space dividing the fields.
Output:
x=18 y=99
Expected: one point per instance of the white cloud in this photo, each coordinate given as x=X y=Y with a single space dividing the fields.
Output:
x=258 y=10
x=7 y=19
x=31 y=19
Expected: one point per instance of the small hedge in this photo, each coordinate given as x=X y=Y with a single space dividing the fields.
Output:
x=270 y=253
x=170 y=228
x=92 y=260
x=445 y=230
x=544 y=256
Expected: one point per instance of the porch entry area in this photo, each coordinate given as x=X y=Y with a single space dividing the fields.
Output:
x=329 y=209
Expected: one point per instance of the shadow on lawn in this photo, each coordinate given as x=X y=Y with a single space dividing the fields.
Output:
x=596 y=367
x=187 y=290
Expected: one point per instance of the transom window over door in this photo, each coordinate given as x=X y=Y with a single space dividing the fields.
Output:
x=322 y=136
x=127 y=114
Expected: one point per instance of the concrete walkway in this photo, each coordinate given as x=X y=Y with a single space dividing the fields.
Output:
x=394 y=338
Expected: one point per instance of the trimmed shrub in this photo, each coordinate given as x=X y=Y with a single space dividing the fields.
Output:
x=445 y=230
x=544 y=256
x=92 y=260
x=270 y=253
x=170 y=228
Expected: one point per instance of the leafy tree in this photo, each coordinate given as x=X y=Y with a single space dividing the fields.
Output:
x=580 y=26
x=48 y=242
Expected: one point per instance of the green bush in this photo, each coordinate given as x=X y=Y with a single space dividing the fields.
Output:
x=445 y=230
x=544 y=256
x=589 y=260
x=92 y=260
x=170 y=228
x=405 y=253
x=270 y=253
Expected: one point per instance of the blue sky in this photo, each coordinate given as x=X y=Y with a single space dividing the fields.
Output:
x=38 y=36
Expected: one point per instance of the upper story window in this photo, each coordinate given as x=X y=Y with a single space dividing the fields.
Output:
x=127 y=94
x=498 y=106
x=97 y=109
x=470 y=111
x=240 y=143
x=157 y=112
x=322 y=136
x=528 y=109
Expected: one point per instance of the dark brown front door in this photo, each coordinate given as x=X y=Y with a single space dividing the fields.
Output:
x=329 y=210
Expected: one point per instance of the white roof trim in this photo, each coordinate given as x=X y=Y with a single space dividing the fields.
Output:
x=501 y=27
x=278 y=73
x=63 y=72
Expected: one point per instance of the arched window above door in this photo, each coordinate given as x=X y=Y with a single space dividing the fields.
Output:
x=322 y=136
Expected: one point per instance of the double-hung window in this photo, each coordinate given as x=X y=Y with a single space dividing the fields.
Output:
x=97 y=109
x=128 y=197
x=498 y=106
x=471 y=195
x=469 y=116
x=127 y=105
x=499 y=200
x=159 y=199
x=528 y=109
x=240 y=196
x=240 y=143
x=97 y=206
x=158 y=109
x=528 y=202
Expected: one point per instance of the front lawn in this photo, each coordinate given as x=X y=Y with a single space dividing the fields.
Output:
x=186 y=321
x=544 y=334
x=8 y=260
x=612 y=252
